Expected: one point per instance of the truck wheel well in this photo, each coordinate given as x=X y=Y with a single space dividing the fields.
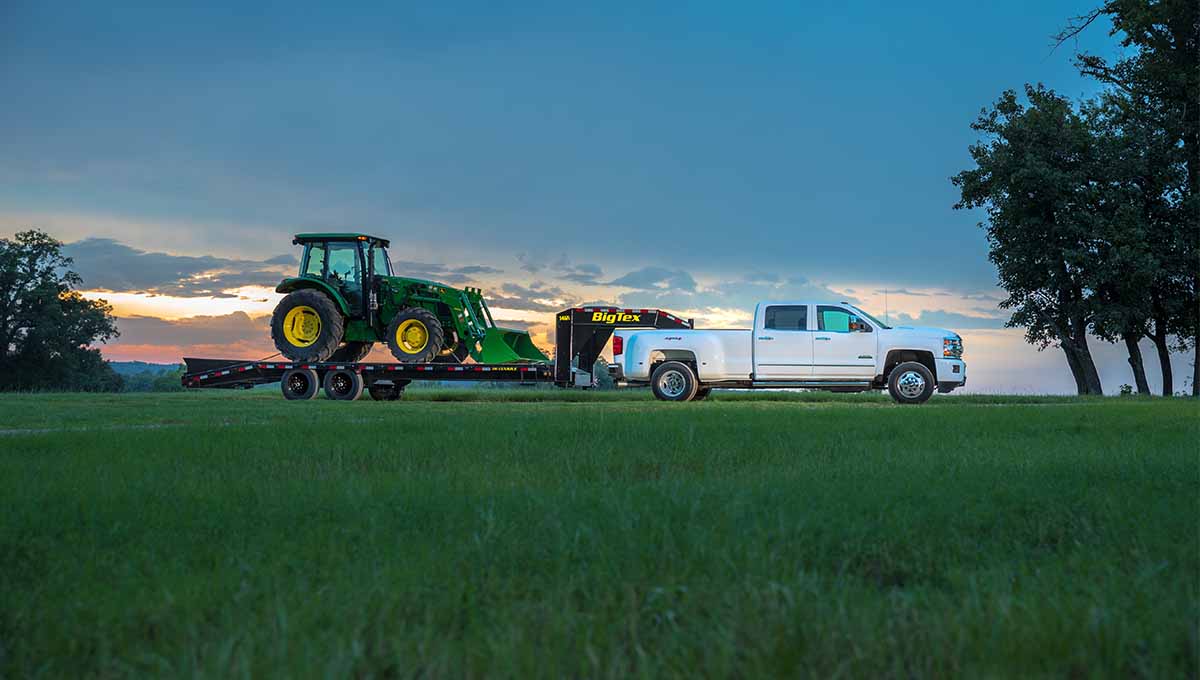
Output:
x=899 y=356
x=660 y=356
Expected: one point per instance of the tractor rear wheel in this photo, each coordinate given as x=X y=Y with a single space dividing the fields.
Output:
x=415 y=336
x=351 y=352
x=307 y=326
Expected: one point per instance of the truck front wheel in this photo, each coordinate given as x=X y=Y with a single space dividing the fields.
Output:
x=911 y=383
x=674 y=381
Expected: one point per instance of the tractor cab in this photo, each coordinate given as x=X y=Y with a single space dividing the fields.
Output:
x=347 y=263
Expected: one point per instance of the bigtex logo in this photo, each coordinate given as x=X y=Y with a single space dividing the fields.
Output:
x=612 y=317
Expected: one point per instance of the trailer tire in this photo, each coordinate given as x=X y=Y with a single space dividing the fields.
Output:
x=351 y=352
x=307 y=326
x=911 y=383
x=674 y=381
x=415 y=336
x=343 y=385
x=299 y=384
x=381 y=392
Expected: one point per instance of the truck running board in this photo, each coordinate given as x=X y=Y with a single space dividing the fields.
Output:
x=865 y=384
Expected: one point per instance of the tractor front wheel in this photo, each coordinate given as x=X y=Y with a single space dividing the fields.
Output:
x=415 y=336
x=307 y=326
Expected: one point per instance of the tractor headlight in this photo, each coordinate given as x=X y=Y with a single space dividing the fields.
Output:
x=952 y=347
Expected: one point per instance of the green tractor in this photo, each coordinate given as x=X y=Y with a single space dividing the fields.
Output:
x=345 y=299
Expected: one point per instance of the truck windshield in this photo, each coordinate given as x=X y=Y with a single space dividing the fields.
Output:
x=870 y=318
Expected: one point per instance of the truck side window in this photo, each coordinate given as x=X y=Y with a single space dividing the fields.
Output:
x=839 y=320
x=787 y=318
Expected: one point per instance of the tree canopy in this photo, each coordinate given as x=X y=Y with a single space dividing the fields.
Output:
x=47 y=328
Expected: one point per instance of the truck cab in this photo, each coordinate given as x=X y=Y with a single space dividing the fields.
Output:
x=803 y=344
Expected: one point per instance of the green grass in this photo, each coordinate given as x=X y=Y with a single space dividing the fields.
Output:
x=598 y=535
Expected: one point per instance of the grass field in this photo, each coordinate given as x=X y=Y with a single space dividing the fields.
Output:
x=598 y=535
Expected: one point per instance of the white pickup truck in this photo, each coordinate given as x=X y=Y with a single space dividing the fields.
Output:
x=813 y=345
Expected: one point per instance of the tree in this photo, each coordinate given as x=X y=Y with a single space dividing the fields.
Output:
x=46 y=326
x=1160 y=80
x=1137 y=274
x=1034 y=177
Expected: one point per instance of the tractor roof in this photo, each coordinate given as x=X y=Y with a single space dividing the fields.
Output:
x=339 y=236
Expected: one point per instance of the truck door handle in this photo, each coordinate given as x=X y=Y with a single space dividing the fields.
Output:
x=821 y=338
x=765 y=337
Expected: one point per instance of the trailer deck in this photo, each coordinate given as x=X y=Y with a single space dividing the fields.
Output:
x=582 y=334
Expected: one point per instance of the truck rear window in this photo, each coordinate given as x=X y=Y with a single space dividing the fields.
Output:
x=787 y=318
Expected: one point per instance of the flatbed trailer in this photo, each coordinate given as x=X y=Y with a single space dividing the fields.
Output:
x=581 y=335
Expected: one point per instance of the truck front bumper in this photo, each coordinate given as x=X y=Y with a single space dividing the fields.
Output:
x=951 y=374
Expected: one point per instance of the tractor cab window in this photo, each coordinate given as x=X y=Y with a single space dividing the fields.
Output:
x=314 y=261
x=343 y=263
x=382 y=266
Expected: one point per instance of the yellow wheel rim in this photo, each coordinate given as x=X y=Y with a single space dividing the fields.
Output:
x=302 y=326
x=412 y=336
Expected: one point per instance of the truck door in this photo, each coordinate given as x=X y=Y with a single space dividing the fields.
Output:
x=843 y=344
x=783 y=345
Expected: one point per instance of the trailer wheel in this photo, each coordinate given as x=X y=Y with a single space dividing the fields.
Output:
x=299 y=384
x=911 y=383
x=415 y=336
x=382 y=392
x=343 y=385
x=307 y=326
x=351 y=352
x=674 y=381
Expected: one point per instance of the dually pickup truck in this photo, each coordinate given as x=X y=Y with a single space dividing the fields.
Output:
x=829 y=346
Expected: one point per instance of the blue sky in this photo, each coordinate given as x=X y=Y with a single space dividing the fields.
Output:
x=693 y=155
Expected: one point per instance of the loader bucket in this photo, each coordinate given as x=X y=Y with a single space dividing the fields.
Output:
x=505 y=345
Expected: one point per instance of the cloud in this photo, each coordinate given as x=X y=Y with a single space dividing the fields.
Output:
x=941 y=318
x=441 y=272
x=900 y=291
x=106 y=264
x=586 y=274
x=656 y=278
x=538 y=297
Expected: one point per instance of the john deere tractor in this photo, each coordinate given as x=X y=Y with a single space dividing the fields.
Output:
x=345 y=299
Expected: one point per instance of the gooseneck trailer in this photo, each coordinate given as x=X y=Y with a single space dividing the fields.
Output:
x=581 y=333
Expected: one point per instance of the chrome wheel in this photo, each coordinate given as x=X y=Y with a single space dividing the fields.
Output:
x=911 y=384
x=672 y=384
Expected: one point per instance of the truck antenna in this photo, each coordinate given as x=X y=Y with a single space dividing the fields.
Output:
x=885 y=308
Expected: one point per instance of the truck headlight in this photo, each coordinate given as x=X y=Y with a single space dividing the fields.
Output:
x=952 y=347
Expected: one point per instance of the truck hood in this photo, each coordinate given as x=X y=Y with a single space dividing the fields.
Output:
x=923 y=331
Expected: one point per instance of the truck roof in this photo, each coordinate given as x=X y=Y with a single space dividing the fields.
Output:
x=340 y=236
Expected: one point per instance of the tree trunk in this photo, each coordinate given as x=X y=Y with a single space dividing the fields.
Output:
x=1076 y=369
x=1164 y=356
x=1090 y=375
x=1136 y=363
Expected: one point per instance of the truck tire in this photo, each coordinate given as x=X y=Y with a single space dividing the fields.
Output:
x=351 y=352
x=307 y=326
x=702 y=393
x=674 y=381
x=415 y=336
x=911 y=383
x=343 y=385
x=299 y=384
